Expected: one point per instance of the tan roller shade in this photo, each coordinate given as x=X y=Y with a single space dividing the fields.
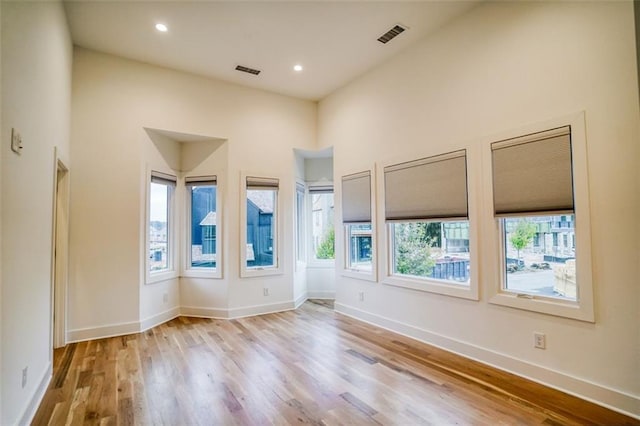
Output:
x=163 y=178
x=429 y=188
x=261 y=183
x=533 y=174
x=200 y=180
x=356 y=198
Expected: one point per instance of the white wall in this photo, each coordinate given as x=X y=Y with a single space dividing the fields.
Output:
x=503 y=66
x=36 y=84
x=113 y=100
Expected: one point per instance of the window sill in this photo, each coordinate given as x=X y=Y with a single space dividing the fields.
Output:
x=464 y=291
x=544 y=305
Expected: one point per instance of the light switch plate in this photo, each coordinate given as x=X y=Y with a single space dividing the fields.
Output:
x=16 y=141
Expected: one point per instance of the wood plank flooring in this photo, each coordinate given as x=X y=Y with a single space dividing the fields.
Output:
x=305 y=366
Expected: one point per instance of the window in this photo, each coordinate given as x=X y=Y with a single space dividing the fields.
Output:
x=260 y=252
x=541 y=210
x=300 y=228
x=431 y=250
x=203 y=225
x=322 y=233
x=160 y=223
x=426 y=211
x=360 y=249
x=546 y=269
x=358 y=226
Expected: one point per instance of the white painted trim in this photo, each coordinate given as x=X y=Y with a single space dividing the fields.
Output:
x=34 y=402
x=300 y=300
x=101 y=332
x=613 y=399
x=249 y=311
x=200 y=312
x=160 y=318
x=321 y=295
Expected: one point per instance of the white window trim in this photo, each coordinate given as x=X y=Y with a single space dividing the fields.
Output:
x=429 y=285
x=312 y=262
x=300 y=243
x=187 y=270
x=277 y=269
x=174 y=220
x=583 y=309
x=346 y=271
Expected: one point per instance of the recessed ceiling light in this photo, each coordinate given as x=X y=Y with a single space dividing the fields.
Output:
x=297 y=67
x=162 y=28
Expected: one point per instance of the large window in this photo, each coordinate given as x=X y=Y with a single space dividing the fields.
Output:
x=542 y=220
x=426 y=211
x=323 y=234
x=261 y=223
x=357 y=220
x=203 y=224
x=160 y=224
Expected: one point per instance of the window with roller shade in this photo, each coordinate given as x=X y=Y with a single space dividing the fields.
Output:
x=160 y=219
x=357 y=222
x=426 y=212
x=539 y=185
x=322 y=230
x=261 y=233
x=533 y=199
x=203 y=224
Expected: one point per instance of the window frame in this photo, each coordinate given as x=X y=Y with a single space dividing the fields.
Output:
x=346 y=269
x=300 y=224
x=152 y=277
x=431 y=285
x=260 y=271
x=583 y=308
x=188 y=270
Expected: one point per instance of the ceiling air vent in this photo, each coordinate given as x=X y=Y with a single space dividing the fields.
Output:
x=247 y=69
x=391 y=34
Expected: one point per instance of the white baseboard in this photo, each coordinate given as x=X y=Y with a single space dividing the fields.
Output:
x=90 y=333
x=321 y=295
x=249 y=311
x=300 y=300
x=160 y=318
x=598 y=394
x=32 y=407
x=196 y=311
x=245 y=311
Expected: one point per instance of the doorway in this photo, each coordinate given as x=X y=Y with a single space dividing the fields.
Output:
x=60 y=253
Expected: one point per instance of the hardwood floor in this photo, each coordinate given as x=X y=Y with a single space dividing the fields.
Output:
x=305 y=366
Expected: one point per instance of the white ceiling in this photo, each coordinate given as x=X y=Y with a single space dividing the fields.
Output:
x=335 y=41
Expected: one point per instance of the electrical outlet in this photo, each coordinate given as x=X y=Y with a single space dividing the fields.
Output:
x=16 y=141
x=265 y=291
x=361 y=296
x=165 y=298
x=24 y=376
x=539 y=340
